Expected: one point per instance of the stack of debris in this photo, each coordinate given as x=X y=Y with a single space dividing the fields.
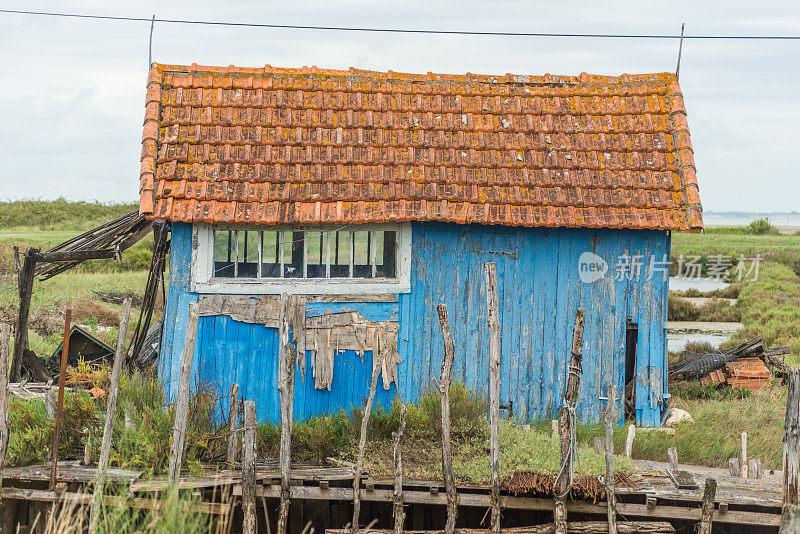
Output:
x=742 y=366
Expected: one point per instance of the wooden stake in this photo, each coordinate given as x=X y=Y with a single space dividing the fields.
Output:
x=444 y=395
x=182 y=403
x=611 y=496
x=629 y=441
x=25 y=285
x=62 y=377
x=87 y=447
x=672 y=457
x=111 y=413
x=709 y=493
x=249 y=468
x=493 y=317
x=362 y=442
x=50 y=402
x=397 y=496
x=233 y=423
x=754 y=468
x=791 y=440
x=567 y=422
x=554 y=428
x=286 y=361
x=5 y=335
x=743 y=458
x=733 y=467
x=790 y=520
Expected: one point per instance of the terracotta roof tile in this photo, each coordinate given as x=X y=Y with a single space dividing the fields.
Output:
x=278 y=145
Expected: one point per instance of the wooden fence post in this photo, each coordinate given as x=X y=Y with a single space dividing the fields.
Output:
x=249 y=468
x=444 y=394
x=62 y=377
x=5 y=335
x=709 y=493
x=182 y=402
x=494 y=390
x=629 y=441
x=743 y=459
x=672 y=458
x=111 y=413
x=233 y=423
x=397 y=496
x=611 y=497
x=567 y=424
x=362 y=442
x=791 y=440
x=790 y=519
x=25 y=279
x=286 y=361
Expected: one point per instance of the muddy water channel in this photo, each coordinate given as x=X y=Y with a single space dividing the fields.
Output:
x=681 y=332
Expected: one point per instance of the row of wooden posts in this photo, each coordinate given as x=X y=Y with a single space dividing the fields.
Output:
x=286 y=365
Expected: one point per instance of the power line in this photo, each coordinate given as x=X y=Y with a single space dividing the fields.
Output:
x=410 y=31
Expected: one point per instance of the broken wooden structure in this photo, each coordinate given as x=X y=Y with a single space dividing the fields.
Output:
x=107 y=241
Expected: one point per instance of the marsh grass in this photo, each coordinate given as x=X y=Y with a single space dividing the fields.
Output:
x=714 y=310
x=175 y=515
x=715 y=434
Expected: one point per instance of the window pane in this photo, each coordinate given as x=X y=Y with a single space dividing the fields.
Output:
x=316 y=254
x=361 y=255
x=340 y=255
x=385 y=254
x=270 y=255
x=247 y=253
x=292 y=254
x=223 y=253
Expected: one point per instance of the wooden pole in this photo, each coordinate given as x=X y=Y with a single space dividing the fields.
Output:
x=493 y=318
x=629 y=441
x=743 y=458
x=111 y=413
x=790 y=519
x=567 y=423
x=182 y=403
x=791 y=440
x=5 y=335
x=362 y=442
x=286 y=361
x=611 y=497
x=25 y=287
x=672 y=457
x=397 y=496
x=233 y=423
x=709 y=493
x=249 y=468
x=444 y=395
x=554 y=428
x=62 y=377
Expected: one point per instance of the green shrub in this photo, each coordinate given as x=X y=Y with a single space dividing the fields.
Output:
x=761 y=226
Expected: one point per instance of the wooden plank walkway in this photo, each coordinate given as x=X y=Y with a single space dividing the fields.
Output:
x=744 y=501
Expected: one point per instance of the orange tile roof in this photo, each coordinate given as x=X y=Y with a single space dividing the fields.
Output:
x=277 y=145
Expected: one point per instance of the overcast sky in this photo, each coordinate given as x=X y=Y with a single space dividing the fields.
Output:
x=72 y=91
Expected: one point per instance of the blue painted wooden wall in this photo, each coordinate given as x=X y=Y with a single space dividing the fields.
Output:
x=539 y=291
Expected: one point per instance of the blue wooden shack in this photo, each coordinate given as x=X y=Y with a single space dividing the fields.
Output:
x=378 y=195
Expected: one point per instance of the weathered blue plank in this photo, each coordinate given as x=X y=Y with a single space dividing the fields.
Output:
x=539 y=288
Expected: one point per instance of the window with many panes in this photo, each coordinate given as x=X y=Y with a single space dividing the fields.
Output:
x=357 y=253
x=305 y=253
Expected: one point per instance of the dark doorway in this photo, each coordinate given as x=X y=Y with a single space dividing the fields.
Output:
x=631 y=338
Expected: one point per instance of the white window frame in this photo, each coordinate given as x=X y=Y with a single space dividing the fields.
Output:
x=203 y=280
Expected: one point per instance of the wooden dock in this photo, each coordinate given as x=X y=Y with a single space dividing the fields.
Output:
x=739 y=501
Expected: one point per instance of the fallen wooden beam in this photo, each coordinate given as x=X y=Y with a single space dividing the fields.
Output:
x=108 y=500
x=688 y=513
x=577 y=527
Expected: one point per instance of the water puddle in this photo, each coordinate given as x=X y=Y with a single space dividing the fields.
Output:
x=679 y=333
